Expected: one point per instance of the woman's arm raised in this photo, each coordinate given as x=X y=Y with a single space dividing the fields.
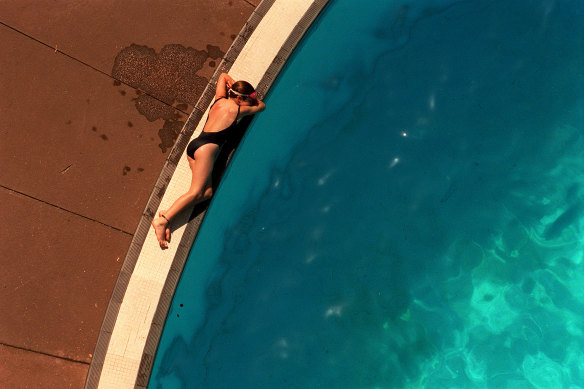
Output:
x=223 y=84
x=253 y=109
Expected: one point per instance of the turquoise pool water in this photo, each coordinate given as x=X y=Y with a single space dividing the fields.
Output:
x=407 y=213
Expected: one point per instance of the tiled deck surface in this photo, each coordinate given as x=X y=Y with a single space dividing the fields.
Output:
x=91 y=111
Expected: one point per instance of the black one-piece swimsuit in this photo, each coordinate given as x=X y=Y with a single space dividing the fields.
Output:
x=219 y=137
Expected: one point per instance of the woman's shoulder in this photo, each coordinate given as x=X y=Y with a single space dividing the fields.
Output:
x=223 y=105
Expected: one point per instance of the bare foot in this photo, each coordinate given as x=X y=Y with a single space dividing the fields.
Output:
x=161 y=230
x=167 y=229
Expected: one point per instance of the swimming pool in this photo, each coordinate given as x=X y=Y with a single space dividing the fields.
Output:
x=406 y=213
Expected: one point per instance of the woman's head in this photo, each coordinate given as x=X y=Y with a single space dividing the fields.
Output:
x=244 y=90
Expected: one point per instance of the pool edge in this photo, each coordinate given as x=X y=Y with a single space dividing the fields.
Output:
x=136 y=246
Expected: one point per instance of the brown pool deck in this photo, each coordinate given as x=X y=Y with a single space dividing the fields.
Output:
x=80 y=153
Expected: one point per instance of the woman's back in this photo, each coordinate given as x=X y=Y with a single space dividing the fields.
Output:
x=222 y=115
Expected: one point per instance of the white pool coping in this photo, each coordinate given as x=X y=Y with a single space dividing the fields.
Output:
x=126 y=348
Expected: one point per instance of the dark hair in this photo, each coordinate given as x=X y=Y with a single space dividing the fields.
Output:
x=242 y=87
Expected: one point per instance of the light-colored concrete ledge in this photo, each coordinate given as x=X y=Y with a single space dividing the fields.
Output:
x=131 y=330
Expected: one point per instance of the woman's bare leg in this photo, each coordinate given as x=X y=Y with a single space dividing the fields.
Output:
x=200 y=190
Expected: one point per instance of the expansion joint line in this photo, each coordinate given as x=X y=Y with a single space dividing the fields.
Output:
x=56 y=50
x=66 y=210
x=43 y=353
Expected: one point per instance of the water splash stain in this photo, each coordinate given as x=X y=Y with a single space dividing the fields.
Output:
x=169 y=132
x=162 y=80
x=182 y=107
x=127 y=169
x=102 y=136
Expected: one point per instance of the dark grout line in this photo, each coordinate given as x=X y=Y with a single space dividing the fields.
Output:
x=56 y=50
x=43 y=353
x=66 y=210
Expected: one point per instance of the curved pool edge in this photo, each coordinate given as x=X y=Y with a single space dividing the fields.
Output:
x=134 y=320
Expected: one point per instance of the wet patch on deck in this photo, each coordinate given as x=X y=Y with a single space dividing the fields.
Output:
x=166 y=83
